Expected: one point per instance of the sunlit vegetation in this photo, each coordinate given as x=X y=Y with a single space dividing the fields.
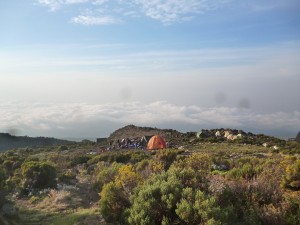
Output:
x=203 y=183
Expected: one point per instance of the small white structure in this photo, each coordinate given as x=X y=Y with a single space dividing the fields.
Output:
x=275 y=147
x=218 y=134
x=265 y=145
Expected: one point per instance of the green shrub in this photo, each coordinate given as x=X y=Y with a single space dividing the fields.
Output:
x=113 y=203
x=142 y=165
x=175 y=197
x=195 y=208
x=165 y=157
x=104 y=157
x=104 y=173
x=137 y=156
x=292 y=211
x=246 y=172
x=234 y=174
x=128 y=178
x=67 y=176
x=120 y=157
x=199 y=162
x=80 y=159
x=155 y=201
x=38 y=175
x=291 y=178
x=143 y=168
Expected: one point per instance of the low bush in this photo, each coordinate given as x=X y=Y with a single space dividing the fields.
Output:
x=37 y=175
x=80 y=159
x=104 y=173
x=113 y=203
x=67 y=176
x=291 y=178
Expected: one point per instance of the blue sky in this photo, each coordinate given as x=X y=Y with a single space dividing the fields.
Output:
x=82 y=68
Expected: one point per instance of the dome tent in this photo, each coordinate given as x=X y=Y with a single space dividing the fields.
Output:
x=156 y=142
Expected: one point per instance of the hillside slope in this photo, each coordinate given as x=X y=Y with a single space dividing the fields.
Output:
x=132 y=131
x=8 y=141
x=176 y=137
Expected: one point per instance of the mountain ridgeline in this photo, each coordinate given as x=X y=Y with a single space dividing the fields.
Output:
x=204 y=135
x=8 y=141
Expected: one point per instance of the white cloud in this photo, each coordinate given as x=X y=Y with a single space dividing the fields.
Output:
x=75 y=1
x=39 y=117
x=99 y=2
x=168 y=11
x=94 y=20
x=52 y=4
x=56 y=4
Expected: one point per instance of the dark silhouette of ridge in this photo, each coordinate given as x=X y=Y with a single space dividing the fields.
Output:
x=8 y=141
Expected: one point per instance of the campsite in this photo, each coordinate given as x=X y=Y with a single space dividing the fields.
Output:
x=149 y=112
x=204 y=178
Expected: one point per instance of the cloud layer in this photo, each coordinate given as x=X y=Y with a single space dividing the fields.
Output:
x=64 y=119
x=165 y=11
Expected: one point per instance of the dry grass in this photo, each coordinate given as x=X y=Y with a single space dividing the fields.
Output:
x=81 y=217
x=65 y=206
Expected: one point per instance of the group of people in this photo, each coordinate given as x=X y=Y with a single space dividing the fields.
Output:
x=127 y=143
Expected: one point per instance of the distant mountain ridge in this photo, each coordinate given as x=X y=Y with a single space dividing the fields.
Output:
x=212 y=135
x=8 y=141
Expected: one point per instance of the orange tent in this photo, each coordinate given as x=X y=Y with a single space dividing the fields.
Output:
x=156 y=142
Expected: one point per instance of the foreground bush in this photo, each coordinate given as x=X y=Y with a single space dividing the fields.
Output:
x=128 y=178
x=113 y=203
x=291 y=178
x=195 y=208
x=104 y=173
x=37 y=175
x=174 y=197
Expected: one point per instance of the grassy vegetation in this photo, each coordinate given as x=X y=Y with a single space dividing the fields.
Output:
x=203 y=182
x=82 y=216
